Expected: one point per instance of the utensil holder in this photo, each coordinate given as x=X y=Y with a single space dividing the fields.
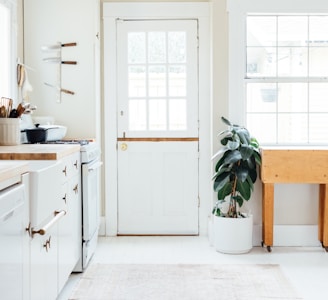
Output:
x=10 y=131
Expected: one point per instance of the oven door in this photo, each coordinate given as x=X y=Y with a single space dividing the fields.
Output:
x=91 y=207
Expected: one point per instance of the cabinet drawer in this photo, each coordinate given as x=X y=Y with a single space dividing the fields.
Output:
x=70 y=166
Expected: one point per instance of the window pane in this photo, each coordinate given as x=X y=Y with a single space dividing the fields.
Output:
x=318 y=97
x=5 y=58
x=261 y=62
x=137 y=115
x=318 y=61
x=178 y=114
x=177 y=47
x=157 y=47
x=137 y=82
x=261 y=31
x=318 y=33
x=293 y=97
x=292 y=61
x=263 y=127
x=157 y=81
x=136 y=47
x=292 y=128
x=177 y=81
x=261 y=97
x=318 y=128
x=292 y=31
x=157 y=114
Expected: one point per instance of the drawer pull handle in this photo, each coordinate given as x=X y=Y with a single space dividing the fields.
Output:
x=76 y=189
x=58 y=215
x=75 y=165
x=65 y=171
x=64 y=198
x=47 y=244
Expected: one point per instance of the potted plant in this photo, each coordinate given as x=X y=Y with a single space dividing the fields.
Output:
x=235 y=174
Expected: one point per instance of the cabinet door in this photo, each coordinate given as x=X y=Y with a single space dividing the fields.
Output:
x=69 y=239
x=44 y=265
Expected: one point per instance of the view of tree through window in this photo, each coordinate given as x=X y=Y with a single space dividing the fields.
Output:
x=286 y=78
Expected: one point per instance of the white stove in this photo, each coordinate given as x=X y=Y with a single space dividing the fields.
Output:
x=90 y=196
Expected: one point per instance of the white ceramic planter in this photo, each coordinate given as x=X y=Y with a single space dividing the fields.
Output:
x=233 y=235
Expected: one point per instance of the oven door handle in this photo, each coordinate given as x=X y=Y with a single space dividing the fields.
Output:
x=95 y=166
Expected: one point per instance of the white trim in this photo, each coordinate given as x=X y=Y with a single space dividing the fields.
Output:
x=156 y=10
x=289 y=236
x=169 y=10
x=282 y=6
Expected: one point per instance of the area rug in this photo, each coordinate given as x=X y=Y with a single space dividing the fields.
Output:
x=183 y=282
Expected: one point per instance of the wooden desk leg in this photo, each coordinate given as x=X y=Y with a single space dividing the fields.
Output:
x=267 y=214
x=323 y=215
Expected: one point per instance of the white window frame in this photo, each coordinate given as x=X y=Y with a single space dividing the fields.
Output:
x=12 y=6
x=238 y=10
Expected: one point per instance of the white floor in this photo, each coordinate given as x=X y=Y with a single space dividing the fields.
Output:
x=307 y=268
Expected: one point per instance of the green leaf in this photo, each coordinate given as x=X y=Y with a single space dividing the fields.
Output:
x=242 y=173
x=226 y=121
x=243 y=189
x=233 y=145
x=258 y=158
x=225 y=191
x=232 y=157
x=239 y=200
x=246 y=152
x=220 y=180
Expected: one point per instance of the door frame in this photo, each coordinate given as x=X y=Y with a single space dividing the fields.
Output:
x=156 y=10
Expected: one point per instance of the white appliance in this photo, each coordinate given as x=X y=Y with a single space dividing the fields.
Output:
x=14 y=239
x=90 y=178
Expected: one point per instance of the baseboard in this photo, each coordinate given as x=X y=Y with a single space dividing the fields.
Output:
x=289 y=235
x=102 y=227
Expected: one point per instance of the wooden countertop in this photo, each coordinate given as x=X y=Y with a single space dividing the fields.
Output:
x=9 y=170
x=37 y=151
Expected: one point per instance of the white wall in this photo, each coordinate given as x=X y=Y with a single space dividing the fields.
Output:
x=47 y=22
x=62 y=20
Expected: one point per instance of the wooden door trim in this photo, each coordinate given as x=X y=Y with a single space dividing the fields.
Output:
x=189 y=139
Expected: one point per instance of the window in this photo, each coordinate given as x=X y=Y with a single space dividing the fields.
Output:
x=7 y=49
x=286 y=78
x=278 y=70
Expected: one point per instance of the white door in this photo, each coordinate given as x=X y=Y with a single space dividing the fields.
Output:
x=157 y=126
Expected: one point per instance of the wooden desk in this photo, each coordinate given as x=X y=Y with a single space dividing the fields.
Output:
x=299 y=165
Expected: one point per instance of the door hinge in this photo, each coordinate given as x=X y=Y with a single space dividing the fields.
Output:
x=198 y=201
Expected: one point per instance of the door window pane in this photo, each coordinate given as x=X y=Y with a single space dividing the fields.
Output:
x=157 y=114
x=177 y=81
x=178 y=116
x=157 y=77
x=137 y=81
x=177 y=47
x=157 y=81
x=136 y=47
x=137 y=115
x=157 y=47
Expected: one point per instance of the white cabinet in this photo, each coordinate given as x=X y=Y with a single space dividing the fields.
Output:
x=56 y=224
x=69 y=234
x=14 y=251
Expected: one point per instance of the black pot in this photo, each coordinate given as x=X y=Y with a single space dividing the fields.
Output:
x=36 y=135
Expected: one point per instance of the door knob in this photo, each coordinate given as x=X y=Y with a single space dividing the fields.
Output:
x=124 y=146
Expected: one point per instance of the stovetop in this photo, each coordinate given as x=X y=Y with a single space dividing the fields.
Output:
x=81 y=142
